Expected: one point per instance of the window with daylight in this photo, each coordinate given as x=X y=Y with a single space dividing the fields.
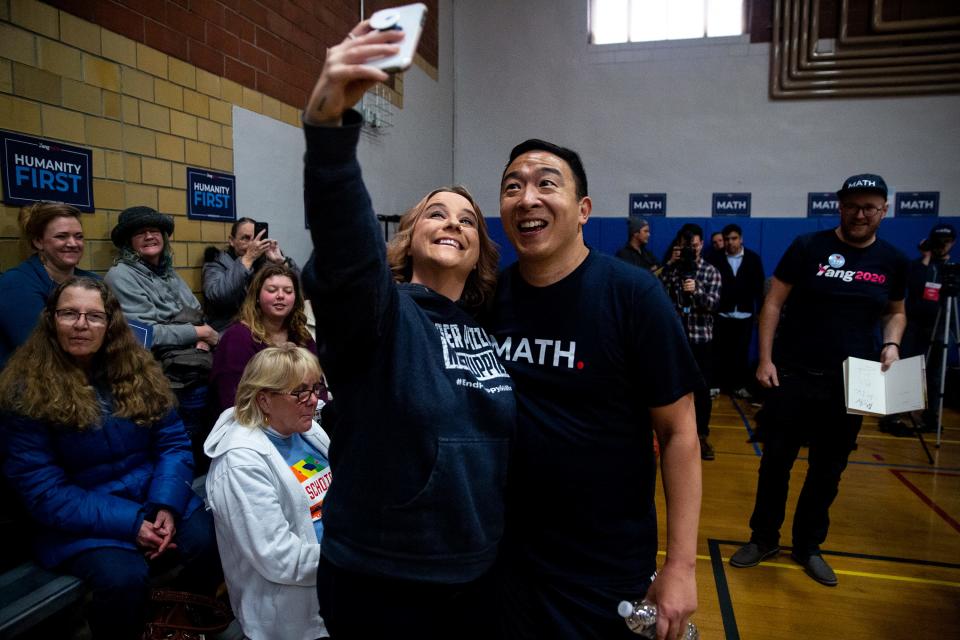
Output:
x=616 y=21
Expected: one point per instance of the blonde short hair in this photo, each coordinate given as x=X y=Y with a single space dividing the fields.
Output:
x=281 y=369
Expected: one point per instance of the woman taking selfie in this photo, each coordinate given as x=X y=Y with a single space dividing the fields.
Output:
x=425 y=410
x=100 y=459
x=271 y=315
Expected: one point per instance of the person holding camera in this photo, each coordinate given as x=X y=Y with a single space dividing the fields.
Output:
x=931 y=278
x=693 y=285
x=840 y=286
x=227 y=274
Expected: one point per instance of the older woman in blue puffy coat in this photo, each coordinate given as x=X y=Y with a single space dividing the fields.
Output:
x=101 y=461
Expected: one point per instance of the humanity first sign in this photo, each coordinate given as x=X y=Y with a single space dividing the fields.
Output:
x=211 y=195
x=37 y=169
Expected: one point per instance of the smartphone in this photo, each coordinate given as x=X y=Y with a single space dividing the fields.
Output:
x=410 y=19
x=261 y=226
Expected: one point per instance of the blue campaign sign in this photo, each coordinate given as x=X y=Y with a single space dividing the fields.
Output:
x=822 y=203
x=647 y=204
x=37 y=169
x=918 y=203
x=211 y=195
x=731 y=204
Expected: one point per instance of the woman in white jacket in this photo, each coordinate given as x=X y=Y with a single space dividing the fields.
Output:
x=266 y=486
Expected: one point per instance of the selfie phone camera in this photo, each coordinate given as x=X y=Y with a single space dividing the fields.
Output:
x=410 y=20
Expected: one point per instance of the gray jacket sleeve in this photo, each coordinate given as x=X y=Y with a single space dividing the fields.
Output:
x=140 y=305
x=223 y=283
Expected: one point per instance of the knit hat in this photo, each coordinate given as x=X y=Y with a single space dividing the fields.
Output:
x=133 y=219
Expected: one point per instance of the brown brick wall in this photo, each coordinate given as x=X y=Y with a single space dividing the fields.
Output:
x=146 y=116
x=275 y=47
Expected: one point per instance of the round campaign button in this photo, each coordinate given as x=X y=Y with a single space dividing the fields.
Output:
x=836 y=261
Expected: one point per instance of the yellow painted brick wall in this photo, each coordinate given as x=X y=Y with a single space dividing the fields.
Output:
x=145 y=115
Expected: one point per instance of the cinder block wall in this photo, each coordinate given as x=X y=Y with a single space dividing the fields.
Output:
x=147 y=111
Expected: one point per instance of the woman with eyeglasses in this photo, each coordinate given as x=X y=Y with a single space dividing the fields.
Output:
x=55 y=236
x=149 y=290
x=425 y=409
x=271 y=315
x=98 y=455
x=266 y=488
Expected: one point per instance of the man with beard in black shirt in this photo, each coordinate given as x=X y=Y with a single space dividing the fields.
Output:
x=838 y=285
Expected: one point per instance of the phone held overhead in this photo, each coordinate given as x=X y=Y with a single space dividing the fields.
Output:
x=409 y=19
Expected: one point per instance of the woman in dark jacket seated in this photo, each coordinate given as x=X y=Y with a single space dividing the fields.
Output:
x=99 y=457
x=426 y=411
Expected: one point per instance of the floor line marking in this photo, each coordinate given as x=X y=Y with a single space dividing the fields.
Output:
x=866 y=574
x=927 y=500
x=727 y=616
x=746 y=423
x=863 y=556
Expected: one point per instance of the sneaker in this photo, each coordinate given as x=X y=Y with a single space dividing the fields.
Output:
x=752 y=554
x=706 y=451
x=817 y=568
x=743 y=394
x=714 y=392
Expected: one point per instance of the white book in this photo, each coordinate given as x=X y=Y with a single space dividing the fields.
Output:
x=872 y=392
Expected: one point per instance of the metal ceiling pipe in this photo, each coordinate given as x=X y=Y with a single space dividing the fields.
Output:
x=782 y=86
x=840 y=52
x=845 y=38
x=876 y=75
x=879 y=24
x=810 y=59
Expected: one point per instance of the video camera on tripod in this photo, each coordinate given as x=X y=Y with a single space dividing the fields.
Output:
x=686 y=267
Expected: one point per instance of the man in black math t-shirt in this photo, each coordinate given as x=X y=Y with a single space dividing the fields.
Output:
x=599 y=362
x=837 y=286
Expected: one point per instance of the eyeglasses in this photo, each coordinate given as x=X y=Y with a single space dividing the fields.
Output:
x=850 y=209
x=70 y=316
x=302 y=395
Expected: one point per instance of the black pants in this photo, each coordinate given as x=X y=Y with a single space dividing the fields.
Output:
x=119 y=578
x=703 y=354
x=357 y=606
x=536 y=607
x=731 y=340
x=806 y=407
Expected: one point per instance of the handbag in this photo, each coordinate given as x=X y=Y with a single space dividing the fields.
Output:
x=180 y=615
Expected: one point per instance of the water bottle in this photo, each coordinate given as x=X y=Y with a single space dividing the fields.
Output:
x=641 y=618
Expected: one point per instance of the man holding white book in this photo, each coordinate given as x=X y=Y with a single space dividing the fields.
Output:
x=836 y=288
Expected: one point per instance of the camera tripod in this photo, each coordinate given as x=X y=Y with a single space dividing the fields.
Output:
x=946 y=319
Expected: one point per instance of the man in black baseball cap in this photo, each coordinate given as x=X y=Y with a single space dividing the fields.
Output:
x=844 y=286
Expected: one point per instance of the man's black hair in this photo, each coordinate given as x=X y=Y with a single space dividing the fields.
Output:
x=690 y=229
x=732 y=228
x=571 y=157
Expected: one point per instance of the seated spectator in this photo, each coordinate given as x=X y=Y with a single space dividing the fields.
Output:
x=271 y=315
x=55 y=236
x=97 y=453
x=227 y=274
x=152 y=294
x=149 y=290
x=266 y=487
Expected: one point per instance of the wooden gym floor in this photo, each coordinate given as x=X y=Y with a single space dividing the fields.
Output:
x=894 y=541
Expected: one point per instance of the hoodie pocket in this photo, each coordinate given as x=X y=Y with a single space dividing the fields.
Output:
x=460 y=508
